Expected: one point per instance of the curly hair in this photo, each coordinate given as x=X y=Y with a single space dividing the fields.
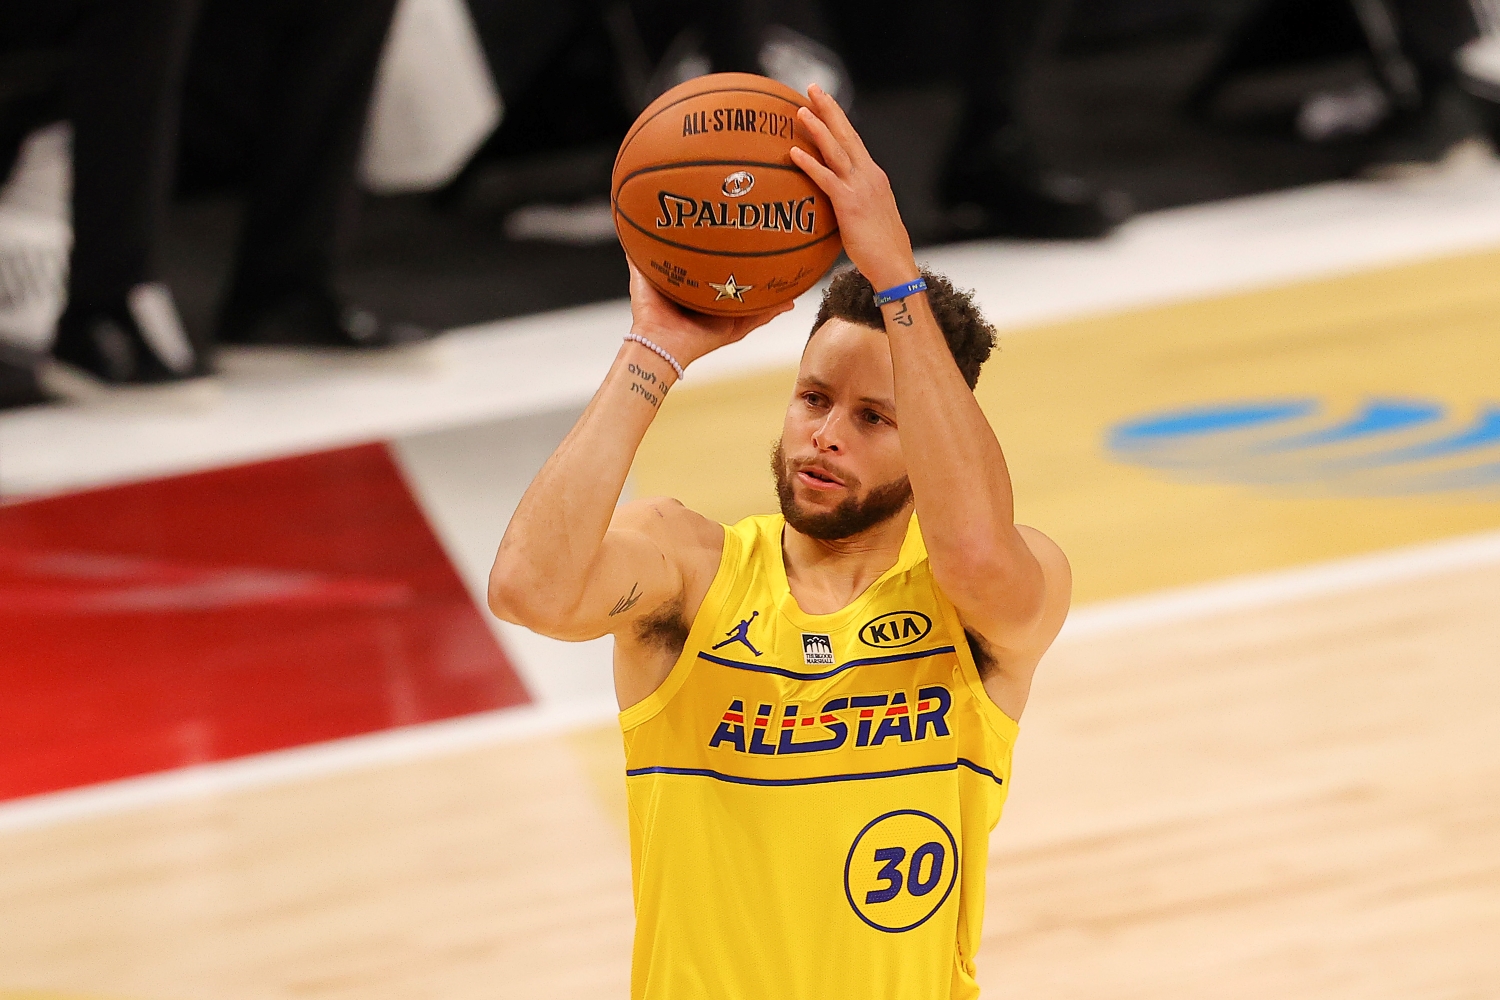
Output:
x=970 y=339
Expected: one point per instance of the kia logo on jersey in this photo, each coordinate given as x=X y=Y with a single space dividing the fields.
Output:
x=898 y=628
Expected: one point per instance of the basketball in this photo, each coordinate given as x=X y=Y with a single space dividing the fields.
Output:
x=708 y=204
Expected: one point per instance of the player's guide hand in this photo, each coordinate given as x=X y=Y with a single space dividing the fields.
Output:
x=870 y=224
x=687 y=335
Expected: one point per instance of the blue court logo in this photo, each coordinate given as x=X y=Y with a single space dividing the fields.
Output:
x=901 y=868
x=1383 y=447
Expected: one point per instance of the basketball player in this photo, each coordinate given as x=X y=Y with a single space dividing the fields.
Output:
x=818 y=706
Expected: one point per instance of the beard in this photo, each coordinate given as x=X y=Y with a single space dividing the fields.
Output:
x=853 y=514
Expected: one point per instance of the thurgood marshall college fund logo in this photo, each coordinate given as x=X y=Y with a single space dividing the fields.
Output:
x=817 y=649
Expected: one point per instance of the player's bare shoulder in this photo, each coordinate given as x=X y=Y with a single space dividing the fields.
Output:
x=683 y=535
x=1008 y=670
x=652 y=636
x=689 y=546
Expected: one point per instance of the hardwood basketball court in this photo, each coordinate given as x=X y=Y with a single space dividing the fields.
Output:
x=1294 y=801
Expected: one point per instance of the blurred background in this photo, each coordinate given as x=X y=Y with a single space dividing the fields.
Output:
x=295 y=297
x=255 y=159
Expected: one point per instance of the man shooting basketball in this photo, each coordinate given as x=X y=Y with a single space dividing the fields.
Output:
x=818 y=706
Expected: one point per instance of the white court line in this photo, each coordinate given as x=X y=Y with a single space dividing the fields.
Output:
x=435 y=739
x=396 y=746
x=1247 y=593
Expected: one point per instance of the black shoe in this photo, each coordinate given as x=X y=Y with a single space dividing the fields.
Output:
x=1479 y=75
x=19 y=385
x=1000 y=188
x=136 y=340
x=1447 y=126
x=314 y=319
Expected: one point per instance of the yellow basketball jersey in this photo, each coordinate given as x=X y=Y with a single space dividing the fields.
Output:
x=811 y=796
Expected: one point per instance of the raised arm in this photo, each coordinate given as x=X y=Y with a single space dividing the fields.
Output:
x=1011 y=585
x=572 y=565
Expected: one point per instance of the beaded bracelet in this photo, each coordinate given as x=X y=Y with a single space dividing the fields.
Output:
x=659 y=350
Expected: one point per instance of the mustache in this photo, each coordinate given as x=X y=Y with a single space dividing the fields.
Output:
x=852 y=516
x=847 y=479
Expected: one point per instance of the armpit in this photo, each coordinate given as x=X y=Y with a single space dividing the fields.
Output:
x=665 y=629
x=984 y=657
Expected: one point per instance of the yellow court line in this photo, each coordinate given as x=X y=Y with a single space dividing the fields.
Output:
x=1426 y=331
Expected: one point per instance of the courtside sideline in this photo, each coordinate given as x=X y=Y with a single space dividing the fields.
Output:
x=270 y=404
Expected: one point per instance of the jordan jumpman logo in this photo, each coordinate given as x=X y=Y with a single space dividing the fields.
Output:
x=741 y=633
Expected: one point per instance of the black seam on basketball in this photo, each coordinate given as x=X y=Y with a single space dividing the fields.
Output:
x=709 y=163
x=724 y=253
x=702 y=93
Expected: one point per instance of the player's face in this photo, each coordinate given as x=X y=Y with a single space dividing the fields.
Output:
x=838 y=465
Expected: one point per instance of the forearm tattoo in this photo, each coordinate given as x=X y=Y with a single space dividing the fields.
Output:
x=902 y=316
x=645 y=384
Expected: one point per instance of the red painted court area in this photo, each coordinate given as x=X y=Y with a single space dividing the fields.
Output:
x=208 y=616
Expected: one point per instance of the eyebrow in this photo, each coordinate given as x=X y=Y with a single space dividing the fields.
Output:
x=812 y=381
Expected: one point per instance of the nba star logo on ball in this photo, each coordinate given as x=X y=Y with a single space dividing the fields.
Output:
x=681 y=187
x=729 y=289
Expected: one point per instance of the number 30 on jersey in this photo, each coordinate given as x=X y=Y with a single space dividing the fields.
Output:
x=901 y=869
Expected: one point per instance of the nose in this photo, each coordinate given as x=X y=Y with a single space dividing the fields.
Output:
x=827 y=436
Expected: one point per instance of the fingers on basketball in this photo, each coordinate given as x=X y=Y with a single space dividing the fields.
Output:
x=837 y=122
x=834 y=153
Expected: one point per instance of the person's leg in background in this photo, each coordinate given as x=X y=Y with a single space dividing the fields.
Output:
x=278 y=94
x=120 y=323
x=788 y=40
x=34 y=63
x=1433 y=30
x=995 y=172
x=1479 y=65
x=1434 y=118
x=520 y=38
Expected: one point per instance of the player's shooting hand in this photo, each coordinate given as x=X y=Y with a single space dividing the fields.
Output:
x=874 y=236
x=686 y=334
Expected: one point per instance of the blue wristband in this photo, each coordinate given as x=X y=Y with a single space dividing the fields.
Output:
x=900 y=292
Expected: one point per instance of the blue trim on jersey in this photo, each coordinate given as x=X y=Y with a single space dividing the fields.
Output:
x=982 y=770
x=820 y=779
x=762 y=668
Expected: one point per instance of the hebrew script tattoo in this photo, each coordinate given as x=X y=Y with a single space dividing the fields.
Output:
x=647 y=385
